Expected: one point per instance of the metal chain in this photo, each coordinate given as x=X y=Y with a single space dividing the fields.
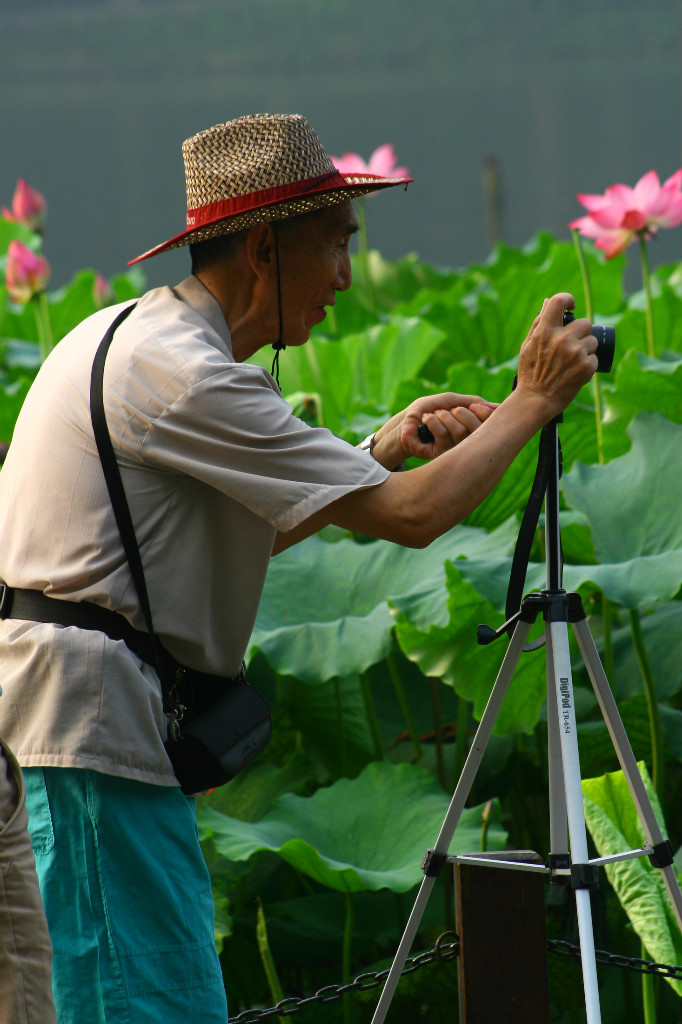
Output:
x=630 y=963
x=445 y=950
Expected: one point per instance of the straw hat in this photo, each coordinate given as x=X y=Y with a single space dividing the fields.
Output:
x=260 y=168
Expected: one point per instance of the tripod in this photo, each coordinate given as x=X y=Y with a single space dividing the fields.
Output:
x=567 y=819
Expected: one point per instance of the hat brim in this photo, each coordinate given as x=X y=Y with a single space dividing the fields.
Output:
x=230 y=216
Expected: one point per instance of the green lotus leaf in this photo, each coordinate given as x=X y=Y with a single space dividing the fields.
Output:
x=451 y=653
x=366 y=367
x=251 y=794
x=641 y=384
x=662 y=634
x=12 y=396
x=487 y=312
x=615 y=827
x=665 y=311
x=332 y=719
x=363 y=833
x=317 y=634
x=633 y=503
x=597 y=754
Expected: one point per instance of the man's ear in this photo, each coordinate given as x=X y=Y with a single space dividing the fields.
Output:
x=260 y=249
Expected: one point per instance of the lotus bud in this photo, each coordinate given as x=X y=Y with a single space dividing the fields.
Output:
x=102 y=292
x=28 y=206
x=26 y=274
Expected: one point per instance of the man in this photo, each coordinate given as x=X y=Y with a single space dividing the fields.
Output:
x=218 y=474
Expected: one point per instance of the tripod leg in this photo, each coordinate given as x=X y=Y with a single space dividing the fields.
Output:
x=454 y=812
x=557 y=798
x=628 y=763
x=574 y=807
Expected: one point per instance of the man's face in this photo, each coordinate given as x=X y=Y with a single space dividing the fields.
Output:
x=314 y=264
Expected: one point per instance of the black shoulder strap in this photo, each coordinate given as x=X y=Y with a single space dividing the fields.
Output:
x=117 y=493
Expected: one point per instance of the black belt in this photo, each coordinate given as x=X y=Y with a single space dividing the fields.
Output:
x=35 y=606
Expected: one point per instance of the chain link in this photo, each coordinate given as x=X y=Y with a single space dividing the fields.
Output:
x=630 y=963
x=443 y=952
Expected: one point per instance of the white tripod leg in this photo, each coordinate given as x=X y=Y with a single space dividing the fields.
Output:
x=454 y=812
x=574 y=809
x=558 y=834
x=628 y=763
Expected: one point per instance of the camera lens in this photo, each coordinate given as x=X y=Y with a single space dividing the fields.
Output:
x=606 y=346
x=606 y=342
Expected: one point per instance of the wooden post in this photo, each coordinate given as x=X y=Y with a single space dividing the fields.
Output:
x=502 y=964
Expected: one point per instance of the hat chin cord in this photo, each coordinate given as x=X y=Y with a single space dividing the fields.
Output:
x=278 y=345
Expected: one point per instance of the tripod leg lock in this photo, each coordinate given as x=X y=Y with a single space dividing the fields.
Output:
x=662 y=854
x=433 y=863
x=559 y=862
x=584 y=876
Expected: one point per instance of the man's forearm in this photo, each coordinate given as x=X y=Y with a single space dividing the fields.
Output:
x=416 y=507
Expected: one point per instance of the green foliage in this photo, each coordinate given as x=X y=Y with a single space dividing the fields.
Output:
x=615 y=827
x=367 y=651
x=332 y=836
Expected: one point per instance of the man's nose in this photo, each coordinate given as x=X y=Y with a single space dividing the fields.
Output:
x=344 y=275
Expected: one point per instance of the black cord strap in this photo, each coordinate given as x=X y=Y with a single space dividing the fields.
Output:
x=164 y=663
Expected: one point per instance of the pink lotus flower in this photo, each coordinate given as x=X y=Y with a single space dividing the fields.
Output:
x=102 y=292
x=28 y=206
x=622 y=214
x=381 y=162
x=26 y=274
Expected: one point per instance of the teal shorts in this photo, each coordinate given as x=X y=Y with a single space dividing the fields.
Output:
x=128 y=900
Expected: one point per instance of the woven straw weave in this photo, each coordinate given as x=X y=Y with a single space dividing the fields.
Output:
x=241 y=159
x=249 y=155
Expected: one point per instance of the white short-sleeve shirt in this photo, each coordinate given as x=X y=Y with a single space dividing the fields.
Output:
x=213 y=462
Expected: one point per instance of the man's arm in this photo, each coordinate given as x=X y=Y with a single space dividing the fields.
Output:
x=451 y=418
x=416 y=507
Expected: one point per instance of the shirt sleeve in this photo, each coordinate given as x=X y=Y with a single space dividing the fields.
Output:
x=234 y=432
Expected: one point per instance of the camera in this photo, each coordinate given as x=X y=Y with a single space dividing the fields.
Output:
x=606 y=342
x=606 y=347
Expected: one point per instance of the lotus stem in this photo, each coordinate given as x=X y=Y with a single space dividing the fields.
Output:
x=267 y=958
x=596 y=394
x=339 y=718
x=648 y=993
x=438 y=733
x=485 y=824
x=584 y=273
x=646 y=282
x=42 y=314
x=589 y=313
x=462 y=726
x=372 y=720
x=404 y=705
x=349 y=917
x=657 y=757
x=607 y=627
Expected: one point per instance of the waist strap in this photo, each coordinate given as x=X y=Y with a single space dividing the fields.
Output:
x=35 y=606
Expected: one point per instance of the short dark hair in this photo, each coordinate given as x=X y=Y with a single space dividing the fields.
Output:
x=212 y=251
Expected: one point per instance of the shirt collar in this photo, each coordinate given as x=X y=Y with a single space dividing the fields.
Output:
x=197 y=295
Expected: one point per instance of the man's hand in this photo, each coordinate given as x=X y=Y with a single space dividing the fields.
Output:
x=556 y=361
x=450 y=418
